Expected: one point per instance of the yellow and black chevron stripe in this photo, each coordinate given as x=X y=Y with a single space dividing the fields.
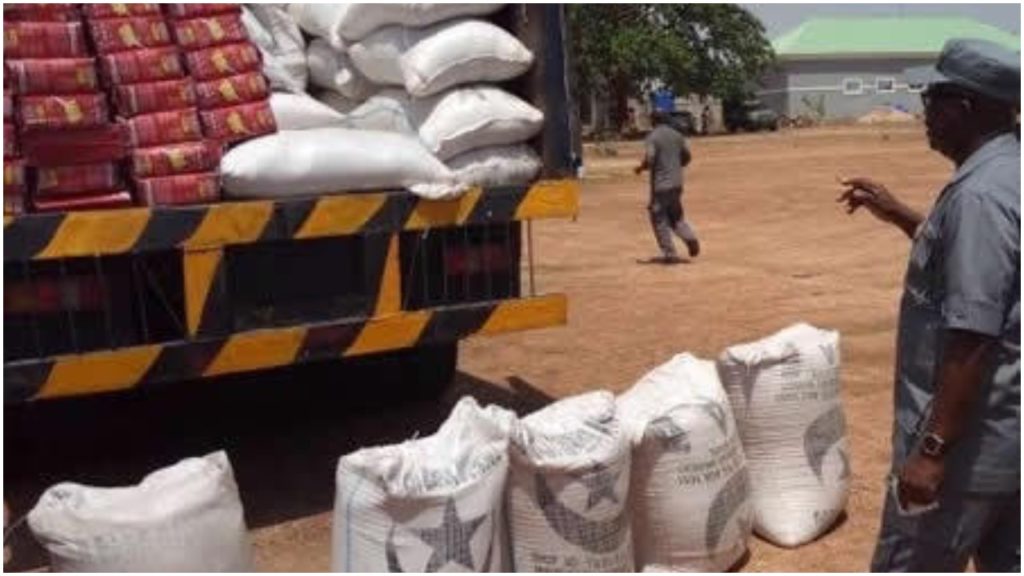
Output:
x=141 y=366
x=110 y=232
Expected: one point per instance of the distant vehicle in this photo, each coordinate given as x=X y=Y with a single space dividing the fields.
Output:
x=749 y=115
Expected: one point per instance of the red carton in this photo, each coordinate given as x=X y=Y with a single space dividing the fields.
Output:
x=136 y=66
x=44 y=40
x=10 y=140
x=221 y=61
x=164 y=128
x=97 y=201
x=97 y=11
x=60 y=112
x=53 y=75
x=119 y=34
x=63 y=180
x=176 y=159
x=180 y=189
x=232 y=90
x=14 y=203
x=135 y=99
x=80 y=146
x=8 y=105
x=40 y=13
x=240 y=122
x=209 y=31
x=182 y=11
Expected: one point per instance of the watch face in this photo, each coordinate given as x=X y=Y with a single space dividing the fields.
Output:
x=931 y=445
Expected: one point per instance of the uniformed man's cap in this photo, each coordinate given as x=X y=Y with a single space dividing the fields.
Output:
x=978 y=65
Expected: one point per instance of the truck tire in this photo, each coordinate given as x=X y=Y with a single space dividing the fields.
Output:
x=429 y=370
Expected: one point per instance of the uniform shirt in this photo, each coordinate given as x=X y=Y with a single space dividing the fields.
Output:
x=964 y=274
x=666 y=155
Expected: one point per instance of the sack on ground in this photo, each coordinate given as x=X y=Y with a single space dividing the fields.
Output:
x=690 y=484
x=333 y=70
x=302 y=112
x=462 y=52
x=497 y=166
x=568 y=489
x=185 y=518
x=334 y=160
x=427 y=505
x=470 y=118
x=281 y=45
x=785 y=394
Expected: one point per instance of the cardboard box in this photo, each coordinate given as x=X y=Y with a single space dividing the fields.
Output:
x=97 y=201
x=69 y=180
x=149 y=65
x=236 y=123
x=208 y=31
x=111 y=35
x=10 y=140
x=40 y=13
x=96 y=11
x=182 y=11
x=65 y=111
x=180 y=189
x=91 y=145
x=222 y=61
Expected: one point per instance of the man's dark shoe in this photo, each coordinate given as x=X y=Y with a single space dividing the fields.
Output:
x=694 y=247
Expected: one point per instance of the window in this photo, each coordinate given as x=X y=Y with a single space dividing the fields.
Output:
x=885 y=85
x=853 y=86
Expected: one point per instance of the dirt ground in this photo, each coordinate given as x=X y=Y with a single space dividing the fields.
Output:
x=777 y=249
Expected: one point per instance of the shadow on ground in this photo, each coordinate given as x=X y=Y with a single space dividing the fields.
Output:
x=283 y=430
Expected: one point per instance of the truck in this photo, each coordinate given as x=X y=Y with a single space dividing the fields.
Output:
x=104 y=301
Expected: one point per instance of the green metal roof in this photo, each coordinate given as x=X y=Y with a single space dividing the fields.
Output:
x=822 y=37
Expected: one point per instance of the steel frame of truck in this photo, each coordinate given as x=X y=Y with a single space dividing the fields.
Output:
x=214 y=249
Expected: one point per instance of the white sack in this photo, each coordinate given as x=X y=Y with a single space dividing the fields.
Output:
x=470 y=118
x=333 y=160
x=302 y=112
x=320 y=20
x=497 y=166
x=568 y=490
x=462 y=52
x=353 y=22
x=427 y=505
x=784 y=392
x=379 y=56
x=281 y=46
x=690 y=487
x=337 y=102
x=185 y=518
x=332 y=69
x=388 y=111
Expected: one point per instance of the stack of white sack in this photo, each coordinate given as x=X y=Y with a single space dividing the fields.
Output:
x=568 y=489
x=428 y=505
x=424 y=70
x=690 y=486
x=784 y=391
x=185 y=518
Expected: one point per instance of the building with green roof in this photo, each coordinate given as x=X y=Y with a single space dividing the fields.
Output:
x=846 y=67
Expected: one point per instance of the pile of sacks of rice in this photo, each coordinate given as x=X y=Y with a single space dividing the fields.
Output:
x=386 y=96
x=672 y=475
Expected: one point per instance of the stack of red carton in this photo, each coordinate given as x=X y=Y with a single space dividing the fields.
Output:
x=14 y=164
x=156 y=100
x=233 y=95
x=60 y=108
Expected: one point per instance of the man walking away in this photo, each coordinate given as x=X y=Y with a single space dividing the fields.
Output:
x=954 y=491
x=665 y=156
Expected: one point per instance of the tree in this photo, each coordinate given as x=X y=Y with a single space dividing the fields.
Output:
x=623 y=50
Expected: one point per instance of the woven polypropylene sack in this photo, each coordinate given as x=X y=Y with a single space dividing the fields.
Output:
x=332 y=69
x=281 y=45
x=427 y=505
x=184 y=518
x=466 y=119
x=497 y=166
x=339 y=23
x=302 y=112
x=690 y=485
x=785 y=393
x=333 y=160
x=568 y=490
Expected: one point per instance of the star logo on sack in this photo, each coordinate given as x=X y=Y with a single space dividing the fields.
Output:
x=600 y=483
x=595 y=536
x=449 y=543
x=825 y=432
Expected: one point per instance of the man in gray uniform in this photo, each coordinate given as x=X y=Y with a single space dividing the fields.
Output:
x=666 y=156
x=955 y=485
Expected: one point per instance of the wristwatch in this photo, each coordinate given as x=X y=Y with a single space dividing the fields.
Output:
x=933 y=445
